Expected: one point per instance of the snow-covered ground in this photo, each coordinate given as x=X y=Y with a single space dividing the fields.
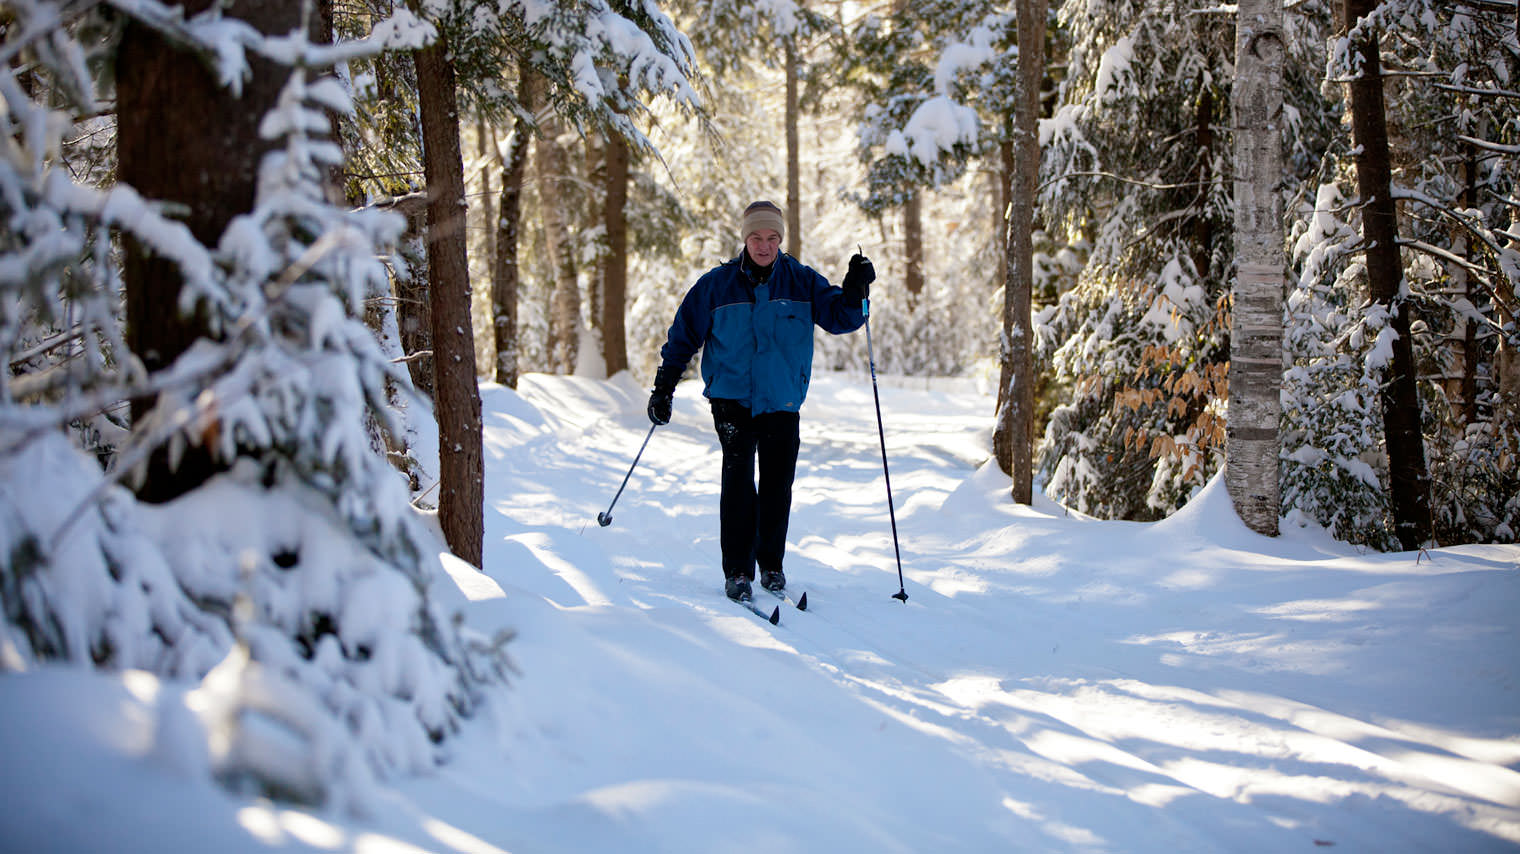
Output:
x=1053 y=683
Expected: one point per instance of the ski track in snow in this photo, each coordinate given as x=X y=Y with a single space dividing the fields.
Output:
x=1053 y=683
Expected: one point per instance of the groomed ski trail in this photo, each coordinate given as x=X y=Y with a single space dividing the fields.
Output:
x=1032 y=664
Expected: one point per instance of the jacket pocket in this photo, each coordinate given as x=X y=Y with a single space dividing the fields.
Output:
x=791 y=332
x=792 y=327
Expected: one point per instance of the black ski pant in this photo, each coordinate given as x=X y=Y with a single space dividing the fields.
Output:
x=752 y=521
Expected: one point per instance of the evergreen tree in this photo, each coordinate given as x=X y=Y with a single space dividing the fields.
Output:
x=183 y=137
x=614 y=261
x=921 y=76
x=730 y=34
x=1459 y=204
x=1451 y=133
x=308 y=615
x=598 y=63
x=1135 y=171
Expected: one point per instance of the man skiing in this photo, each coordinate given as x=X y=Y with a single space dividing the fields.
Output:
x=752 y=317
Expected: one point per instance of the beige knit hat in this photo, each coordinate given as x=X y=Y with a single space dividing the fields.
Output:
x=759 y=215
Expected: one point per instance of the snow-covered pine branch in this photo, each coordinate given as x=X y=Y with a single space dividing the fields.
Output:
x=300 y=583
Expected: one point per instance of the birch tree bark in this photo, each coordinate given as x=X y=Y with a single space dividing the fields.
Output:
x=1409 y=480
x=1251 y=432
x=1013 y=433
x=457 y=395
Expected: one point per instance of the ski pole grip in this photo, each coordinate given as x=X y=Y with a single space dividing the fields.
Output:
x=865 y=302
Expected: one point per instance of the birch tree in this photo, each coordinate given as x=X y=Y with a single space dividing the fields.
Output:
x=1251 y=432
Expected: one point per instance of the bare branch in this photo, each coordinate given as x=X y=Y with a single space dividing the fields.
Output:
x=20 y=359
x=1489 y=5
x=1137 y=182
x=1473 y=90
x=1489 y=146
x=1472 y=225
x=1445 y=255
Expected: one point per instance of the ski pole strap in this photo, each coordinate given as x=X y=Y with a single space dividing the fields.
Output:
x=865 y=308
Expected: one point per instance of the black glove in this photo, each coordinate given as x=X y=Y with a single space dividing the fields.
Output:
x=660 y=400
x=857 y=281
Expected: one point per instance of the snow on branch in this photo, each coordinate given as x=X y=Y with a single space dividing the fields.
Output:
x=601 y=48
x=224 y=41
x=300 y=584
x=1497 y=147
x=963 y=57
x=938 y=126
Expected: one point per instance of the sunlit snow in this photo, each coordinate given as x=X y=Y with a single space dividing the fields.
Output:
x=1053 y=683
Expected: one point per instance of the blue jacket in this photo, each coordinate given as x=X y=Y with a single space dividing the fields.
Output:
x=757 y=339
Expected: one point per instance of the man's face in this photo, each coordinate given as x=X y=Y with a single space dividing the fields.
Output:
x=763 y=245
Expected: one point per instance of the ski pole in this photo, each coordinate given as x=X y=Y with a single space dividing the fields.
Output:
x=902 y=590
x=605 y=519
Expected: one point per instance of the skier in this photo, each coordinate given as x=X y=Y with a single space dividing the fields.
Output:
x=752 y=317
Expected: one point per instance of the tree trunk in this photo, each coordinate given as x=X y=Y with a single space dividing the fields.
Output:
x=504 y=274
x=1203 y=138
x=183 y=138
x=1251 y=433
x=414 y=310
x=457 y=404
x=485 y=142
x=1409 y=481
x=324 y=31
x=1506 y=371
x=565 y=304
x=1462 y=389
x=615 y=263
x=593 y=301
x=913 y=249
x=913 y=218
x=1007 y=168
x=1013 y=433
x=793 y=156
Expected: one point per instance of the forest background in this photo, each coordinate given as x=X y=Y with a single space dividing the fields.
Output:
x=1133 y=252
